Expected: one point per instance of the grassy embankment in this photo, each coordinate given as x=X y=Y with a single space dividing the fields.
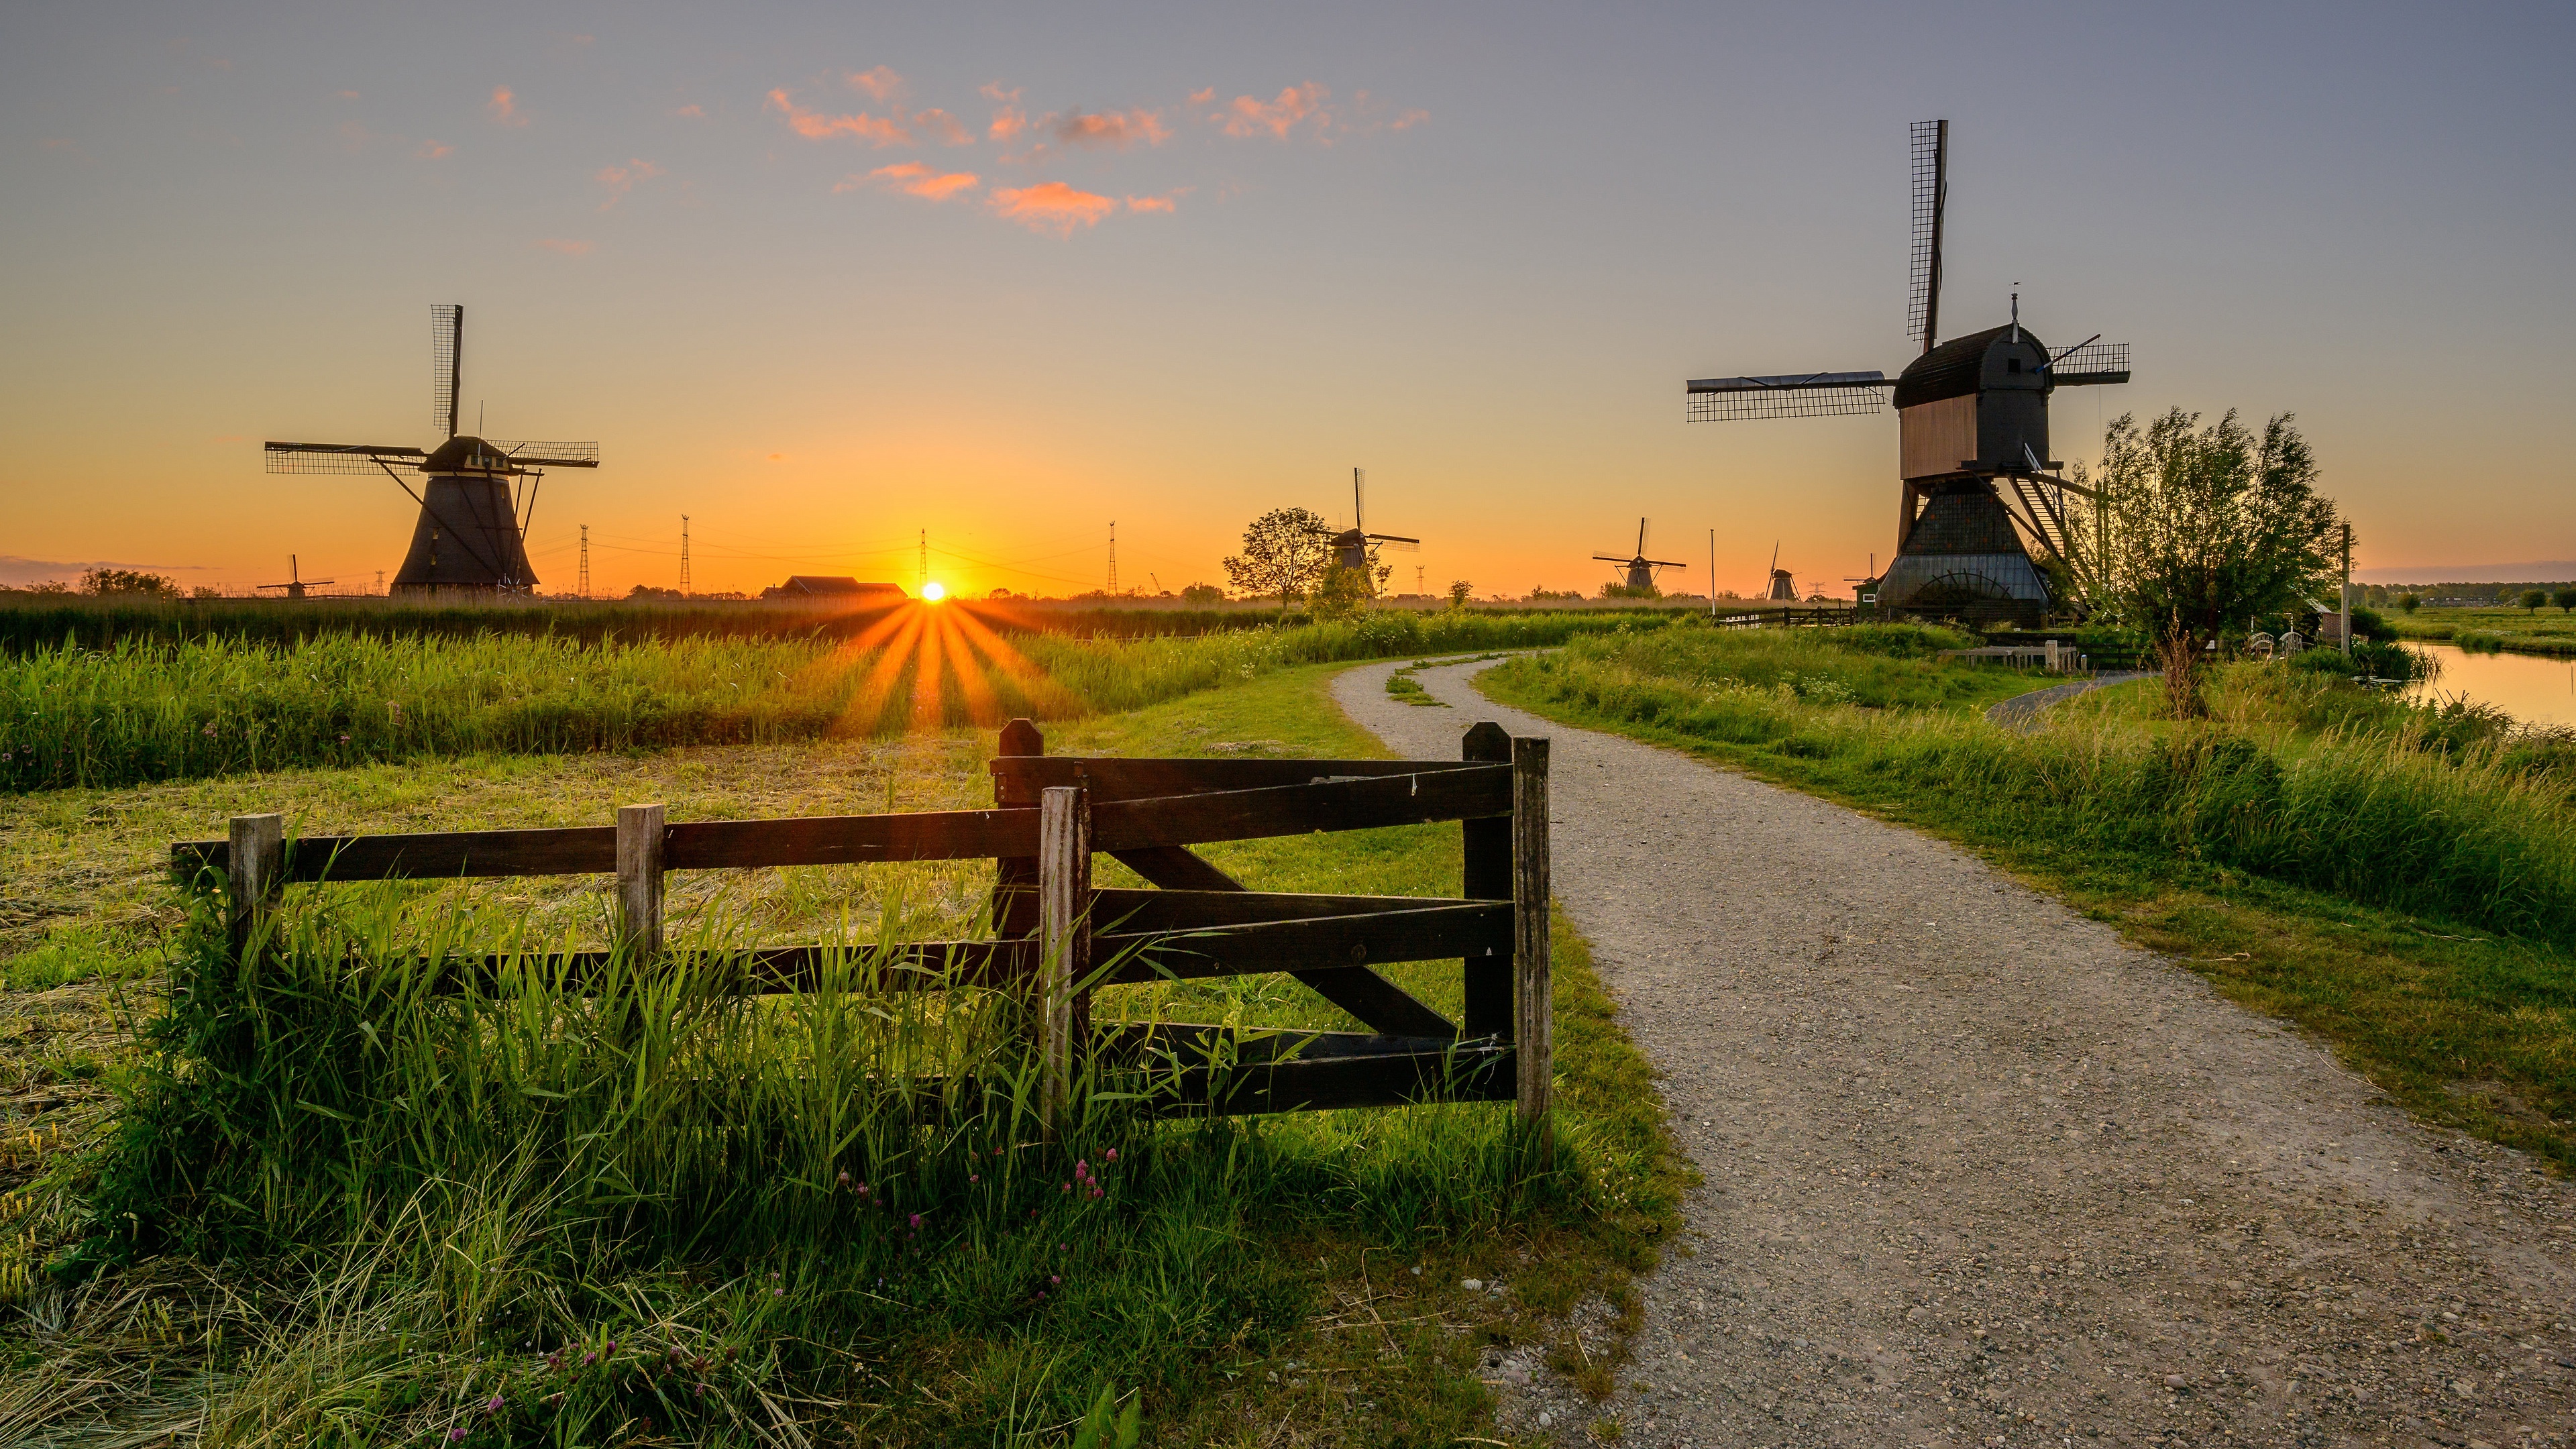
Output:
x=2400 y=881
x=2525 y=631
x=144 y=709
x=416 y=1201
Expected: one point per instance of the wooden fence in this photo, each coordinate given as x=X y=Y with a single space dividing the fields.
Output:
x=1053 y=813
x=1824 y=616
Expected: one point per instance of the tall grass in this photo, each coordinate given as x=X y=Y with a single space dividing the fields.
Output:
x=142 y=710
x=2374 y=802
x=533 y=1212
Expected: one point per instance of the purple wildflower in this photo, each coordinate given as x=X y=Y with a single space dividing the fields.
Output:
x=1055 y=1277
x=1113 y=1154
x=916 y=1220
x=493 y=1407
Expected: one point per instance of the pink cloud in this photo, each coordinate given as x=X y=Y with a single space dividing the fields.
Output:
x=1008 y=120
x=1163 y=203
x=1244 y=116
x=694 y=113
x=1203 y=96
x=345 y=95
x=565 y=246
x=816 y=126
x=1050 y=206
x=1112 y=128
x=1408 y=120
x=943 y=126
x=505 y=107
x=434 y=151
x=880 y=82
x=622 y=179
x=913 y=179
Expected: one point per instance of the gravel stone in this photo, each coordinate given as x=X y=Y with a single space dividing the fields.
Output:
x=2014 y=1180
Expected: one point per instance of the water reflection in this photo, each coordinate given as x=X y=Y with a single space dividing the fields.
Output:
x=2533 y=688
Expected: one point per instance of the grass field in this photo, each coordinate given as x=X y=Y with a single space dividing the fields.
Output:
x=396 y=1251
x=2402 y=882
x=2530 y=631
x=142 y=708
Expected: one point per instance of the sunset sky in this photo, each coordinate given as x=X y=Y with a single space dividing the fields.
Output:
x=823 y=277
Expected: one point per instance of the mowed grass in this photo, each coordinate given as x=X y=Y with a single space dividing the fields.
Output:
x=2401 y=882
x=144 y=708
x=1241 y=1277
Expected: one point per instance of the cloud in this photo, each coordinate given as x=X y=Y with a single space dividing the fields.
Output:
x=505 y=107
x=1008 y=119
x=1164 y=202
x=880 y=82
x=622 y=179
x=1202 y=96
x=1050 y=206
x=942 y=125
x=692 y=112
x=913 y=179
x=1120 y=129
x=816 y=126
x=434 y=151
x=1408 y=120
x=344 y=95
x=1244 y=116
x=565 y=246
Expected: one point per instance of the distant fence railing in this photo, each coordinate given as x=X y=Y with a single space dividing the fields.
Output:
x=1786 y=618
x=1053 y=814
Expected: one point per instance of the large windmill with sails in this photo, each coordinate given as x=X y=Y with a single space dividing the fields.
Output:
x=1972 y=436
x=477 y=495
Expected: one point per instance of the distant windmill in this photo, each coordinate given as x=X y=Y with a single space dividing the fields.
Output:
x=1782 y=586
x=1972 y=420
x=1352 y=546
x=1641 y=569
x=472 y=532
x=297 y=582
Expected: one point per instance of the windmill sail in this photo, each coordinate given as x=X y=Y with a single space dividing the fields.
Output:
x=336 y=457
x=1787 y=395
x=1931 y=148
x=446 y=364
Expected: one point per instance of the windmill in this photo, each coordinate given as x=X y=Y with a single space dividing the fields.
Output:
x=1354 y=547
x=298 y=583
x=1972 y=430
x=1641 y=569
x=476 y=495
x=1782 y=586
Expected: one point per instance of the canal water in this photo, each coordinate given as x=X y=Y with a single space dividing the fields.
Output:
x=2537 y=689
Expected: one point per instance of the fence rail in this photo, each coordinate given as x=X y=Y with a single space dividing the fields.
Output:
x=1053 y=813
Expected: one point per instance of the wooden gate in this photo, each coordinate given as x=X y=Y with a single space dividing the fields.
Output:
x=1053 y=813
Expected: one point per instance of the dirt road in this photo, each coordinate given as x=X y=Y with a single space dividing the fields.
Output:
x=1978 y=1172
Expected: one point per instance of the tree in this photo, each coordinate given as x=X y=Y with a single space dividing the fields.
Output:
x=1459 y=589
x=2532 y=599
x=1202 y=595
x=2410 y=602
x=128 y=581
x=2210 y=526
x=2565 y=599
x=1285 y=552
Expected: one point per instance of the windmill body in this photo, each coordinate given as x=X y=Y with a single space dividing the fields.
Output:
x=476 y=495
x=1979 y=488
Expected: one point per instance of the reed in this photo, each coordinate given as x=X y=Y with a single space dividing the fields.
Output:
x=141 y=710
x=2299 y=778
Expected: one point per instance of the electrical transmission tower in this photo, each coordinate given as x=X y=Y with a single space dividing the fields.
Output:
x=684 y=555
x=583 y=588
x=921 y=585
x=1113 y=555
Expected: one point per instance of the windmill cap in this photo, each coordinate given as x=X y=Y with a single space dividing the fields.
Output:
x=1961 y=365
x=462 y=454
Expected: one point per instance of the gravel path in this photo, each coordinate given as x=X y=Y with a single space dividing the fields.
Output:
x=2022 y=711
x=1978 y=1172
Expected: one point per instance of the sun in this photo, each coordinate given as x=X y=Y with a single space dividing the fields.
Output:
x=934 y=591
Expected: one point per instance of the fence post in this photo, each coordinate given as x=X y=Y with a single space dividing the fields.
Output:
x=1015 y=877
x=1533 y=1037
x=639 y=878
x=1487 y=876
x=1064 y=891
x=255 y=869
